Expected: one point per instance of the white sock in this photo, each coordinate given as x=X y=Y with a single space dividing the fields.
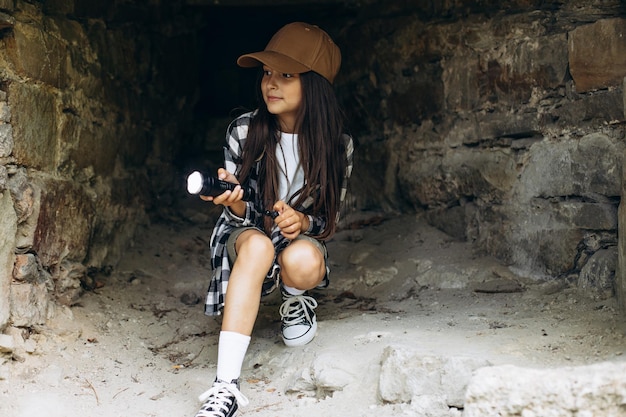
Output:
x=293 y=291
x=230 y=353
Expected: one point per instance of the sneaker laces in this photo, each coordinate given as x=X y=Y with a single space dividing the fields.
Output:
x=218 y=399
x=296 y=308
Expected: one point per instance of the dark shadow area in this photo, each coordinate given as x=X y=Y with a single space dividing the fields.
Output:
x=231 y=32
x=224 y=89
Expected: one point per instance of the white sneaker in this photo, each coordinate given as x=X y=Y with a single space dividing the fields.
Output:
x=299 y=323
x=222 y=400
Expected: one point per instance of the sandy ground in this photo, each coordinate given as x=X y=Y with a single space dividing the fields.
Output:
x=140 y=344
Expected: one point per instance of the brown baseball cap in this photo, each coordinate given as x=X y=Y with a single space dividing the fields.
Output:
x=296 y=48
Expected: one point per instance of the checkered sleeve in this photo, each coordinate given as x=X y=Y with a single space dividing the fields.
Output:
x=228 y=221
x=235 y=139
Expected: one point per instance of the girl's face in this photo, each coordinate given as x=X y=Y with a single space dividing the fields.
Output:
x=282 y=94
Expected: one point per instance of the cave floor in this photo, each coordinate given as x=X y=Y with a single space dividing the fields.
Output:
x=140 y=345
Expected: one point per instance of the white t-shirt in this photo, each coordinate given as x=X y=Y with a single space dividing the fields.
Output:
x=291 y=175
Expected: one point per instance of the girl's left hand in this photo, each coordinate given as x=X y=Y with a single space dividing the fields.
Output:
x=289 y=221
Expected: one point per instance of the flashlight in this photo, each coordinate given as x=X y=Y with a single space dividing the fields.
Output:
x=210 y=186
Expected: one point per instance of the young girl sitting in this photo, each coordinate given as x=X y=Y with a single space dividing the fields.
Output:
x=294 y=158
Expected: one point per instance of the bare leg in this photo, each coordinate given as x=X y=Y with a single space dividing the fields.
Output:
x=255 y=254
x=302 y=265
x=302 y=268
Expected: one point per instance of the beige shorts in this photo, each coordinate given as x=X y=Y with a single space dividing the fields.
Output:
x=232 y=253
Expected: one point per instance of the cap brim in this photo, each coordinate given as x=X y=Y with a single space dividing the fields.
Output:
x=274 y=60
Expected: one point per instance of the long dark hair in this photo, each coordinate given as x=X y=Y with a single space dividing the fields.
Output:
x=320 y=126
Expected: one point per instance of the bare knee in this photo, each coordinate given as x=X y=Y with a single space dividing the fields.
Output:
x=254 y=244
x=255 y=254
x=302 y=265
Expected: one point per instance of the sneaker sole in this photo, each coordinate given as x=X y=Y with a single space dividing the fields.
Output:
x=304 y=339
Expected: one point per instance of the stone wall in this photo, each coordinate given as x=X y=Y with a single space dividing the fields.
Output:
x=86 y=139
x=620 y=281
x=503 y=125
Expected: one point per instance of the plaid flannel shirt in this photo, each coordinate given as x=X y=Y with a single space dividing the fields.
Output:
x=228 y=221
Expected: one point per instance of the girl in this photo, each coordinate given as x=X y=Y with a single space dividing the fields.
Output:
x=294 y=158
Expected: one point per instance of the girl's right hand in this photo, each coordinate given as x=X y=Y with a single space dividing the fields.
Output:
x=232 y=199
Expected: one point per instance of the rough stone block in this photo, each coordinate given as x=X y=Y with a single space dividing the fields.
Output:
x=328 y=376
x=594 y=216
x=83 y=71
x=8 y=227
x=575 y=214
x=589 y=166
x=406 y=373
x=7 y=344
x=5 y=112
x=37 y=54
x=512 y=391
x=541 y=249
x=29 y=304
x=429 y=406
x=6 y=140
x=25 y=268
x=4 y=177
x=603 y=106
x=86 y=145
x=461 y=86
x=527 y=65
x=482 y=173
x=432 y=275
x=34 y=120
x=23 y=195
x=324 y=376
x=597 y=54
x=453 y=221
x=598 y=274
x=68 y=276
x=27 y=203
x=458 y=173
x=620 y=273
x=372 y=277
x=65 y=222
x=490 y=126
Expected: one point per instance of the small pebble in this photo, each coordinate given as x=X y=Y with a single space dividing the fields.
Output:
x=190 y=298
